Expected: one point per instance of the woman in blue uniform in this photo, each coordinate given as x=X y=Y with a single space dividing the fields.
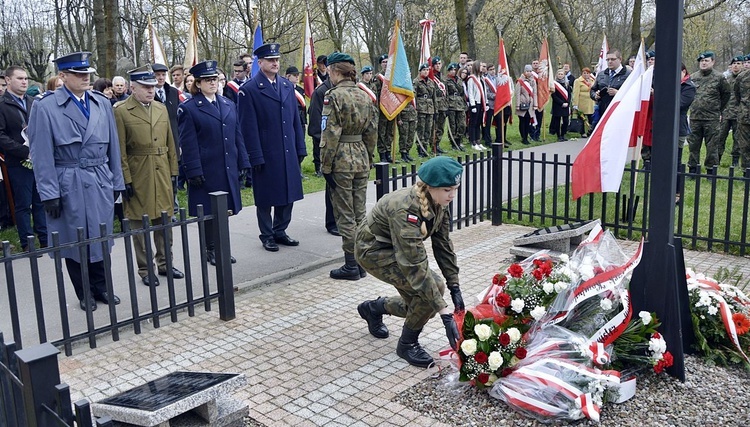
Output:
x=214 y=157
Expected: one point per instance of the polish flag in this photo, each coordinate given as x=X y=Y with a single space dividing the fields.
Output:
x=545 y=79
x=641 y=116
x=191 y=50
x=600 y=164
x=308 y=61
x=504 y=94
x=602 y=64
x=425 y=56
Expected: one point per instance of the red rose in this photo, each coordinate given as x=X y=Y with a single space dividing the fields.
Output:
x=499 y=279
x=515 y=270
x=505 y=372
x=538 y=274
x=502 y=300
x=480 y=357
x=504 y=339
x=668 y=359
x=483 y=377
x=521 y=353
x=659 y=367
x=656 y=335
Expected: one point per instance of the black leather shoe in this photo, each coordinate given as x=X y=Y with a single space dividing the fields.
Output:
x=177 y=274
x=334 y=231
x=104 y=297
x=147 y=282
x=92 y=304
x=270 y=246
x=286 y=241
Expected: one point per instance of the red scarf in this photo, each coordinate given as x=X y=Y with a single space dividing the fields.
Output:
x=526 y=86
x=475 y=80
x=561 y=90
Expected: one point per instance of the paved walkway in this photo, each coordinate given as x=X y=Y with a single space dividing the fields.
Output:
x=299 y=340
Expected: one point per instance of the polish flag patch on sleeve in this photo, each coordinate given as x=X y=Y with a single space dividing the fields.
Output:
x=412 y=219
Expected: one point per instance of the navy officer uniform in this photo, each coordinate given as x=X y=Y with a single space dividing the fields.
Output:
x=275 y=143
x=76 y=155
x=213 y=151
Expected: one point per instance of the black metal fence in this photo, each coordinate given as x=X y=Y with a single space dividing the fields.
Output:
x=41 y=287
x=712 y=211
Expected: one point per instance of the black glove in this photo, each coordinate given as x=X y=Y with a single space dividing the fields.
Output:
x=329 y=180
x=259 y=168
x=300 y=158
x=243 y=176
x=196 y=181
x=174 y=184
x=128 y=193
x=458 y=299
x=53 y=208
x=451 y=330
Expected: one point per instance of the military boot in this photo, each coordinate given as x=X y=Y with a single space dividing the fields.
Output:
x=421 y=152
x=439 y=150
x=362 y=272
x=348 y=271
x=388 y=157
x=406 y=157
x=409 y=349
x=372 y=311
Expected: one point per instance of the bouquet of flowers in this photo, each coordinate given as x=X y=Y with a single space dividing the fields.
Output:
x=641 y=345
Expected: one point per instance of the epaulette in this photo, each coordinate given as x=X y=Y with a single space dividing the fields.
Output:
x=117 y=104
x=98 y=93
x=47 y=93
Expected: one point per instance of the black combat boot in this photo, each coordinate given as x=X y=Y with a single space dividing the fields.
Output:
x=406 y=157
x=421 y=152
x=409 y=349
x=372 y=311
x=362 y=272
x=348 y=271
x=388 y=157
x=439 y=150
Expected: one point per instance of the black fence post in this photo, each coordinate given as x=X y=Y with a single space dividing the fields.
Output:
x=219 y=208
x=381 y=179
x=40 y=375
x=497 y=158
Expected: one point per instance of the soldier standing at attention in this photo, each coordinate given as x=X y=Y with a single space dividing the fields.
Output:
x=349 y=132
x=742 y=97
x=390 y=247
x=729 y=116
x=407 y=128
x=424 y=91
x=149 y=168
x=385 y=126
x=456 y=106
x=711 y=96
x=441 y=102
x=76 y=156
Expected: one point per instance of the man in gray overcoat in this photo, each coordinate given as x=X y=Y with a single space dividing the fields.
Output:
x=76 y=157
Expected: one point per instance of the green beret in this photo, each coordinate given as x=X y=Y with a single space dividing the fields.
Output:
x=340 y=57
x=705 y=55
x=747 y=57
x=366 y=69
x=650 y=54
x=738 y=58
x=441 y=171
x=452 y=66
x=383 y=57
x=423 y=66
x=435 y=60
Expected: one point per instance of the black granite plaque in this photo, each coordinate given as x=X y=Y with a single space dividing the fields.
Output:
x=164 y=391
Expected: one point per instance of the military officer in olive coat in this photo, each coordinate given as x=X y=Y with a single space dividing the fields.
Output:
x=149 y=167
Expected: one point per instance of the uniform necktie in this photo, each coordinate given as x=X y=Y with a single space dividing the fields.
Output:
x=83 y=103
x=274 y=86
x=161 y=95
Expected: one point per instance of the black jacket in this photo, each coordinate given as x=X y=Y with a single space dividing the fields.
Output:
x=558 y=100
x=13 y=119
x=603 y=81
x=316 y=109
x=173 y=101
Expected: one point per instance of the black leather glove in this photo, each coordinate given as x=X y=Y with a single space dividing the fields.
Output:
x=259 y=168
x=174 y=184
x=128 y=193
x=329 y=180
x=300 y=158
x=53 y=208
x=196 y=181
x=458 y=299
x=451 y=330
x=243 y=176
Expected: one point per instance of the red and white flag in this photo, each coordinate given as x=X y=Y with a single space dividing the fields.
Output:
x=504 y=94
x=425 y=57
x=157 y=51
x=641 y=116
x=308 y=61
x=544 y=81
x=602 y=64
x=599 y=166
x=191 y=50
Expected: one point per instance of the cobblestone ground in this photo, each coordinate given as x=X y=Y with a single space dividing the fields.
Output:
x=306 y=352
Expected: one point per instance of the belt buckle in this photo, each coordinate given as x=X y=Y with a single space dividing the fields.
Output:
x=83 y=163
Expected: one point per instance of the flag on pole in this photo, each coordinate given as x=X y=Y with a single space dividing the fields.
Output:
x=504 y=88
x=257 y=42
x=599 y=166
x=157 y=51
x=602 y=64
x=397 y=90
x=544 y=81
x=425 y=57
x=191 y=51
x=641 y=115
x=308 y=60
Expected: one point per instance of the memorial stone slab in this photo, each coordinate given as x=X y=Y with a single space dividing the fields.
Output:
x=559 y=239
x=178 y=399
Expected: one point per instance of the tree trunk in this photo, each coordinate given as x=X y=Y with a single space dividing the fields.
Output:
x=635 y=28
x=567 y=29
x=100 y=31
x=462 y=25
x=112 y=16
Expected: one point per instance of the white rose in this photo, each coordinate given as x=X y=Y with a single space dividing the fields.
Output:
x=712 y=310
x=517 y=305
x=645 y=317
x=469 y=347
x=483 y=331
x=495 y=360
x=605 y=304
x=587 y=271
x=514 y=335
x=564 y=258
x=561 y=286
x=548 y=287
x=538 y=312
x=657 y=346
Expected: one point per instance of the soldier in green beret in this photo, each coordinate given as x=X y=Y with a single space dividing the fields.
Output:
x=385 y=126
x=390 y=246
x=424 y=91
x=742 y=98
x=456 y=106
x=349 y=132
x=730 y=113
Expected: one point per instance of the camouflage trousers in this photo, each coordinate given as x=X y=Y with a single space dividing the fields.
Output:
x=349 y=202
x=406 y=131
x=424 y=130
x=440 y=117
x=709 y=131
x=742 y=141
x=726 y=126
x=457 y=124
x=385 y=134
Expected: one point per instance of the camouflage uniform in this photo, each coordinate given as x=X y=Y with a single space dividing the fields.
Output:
x=385 y=126
x=729 y=121
x=441 y=108
x=347 y=144
x=407 y=128
x=456 y=109
x=424 y=91
x=742 y=97
x=712 y=95
x=390 y=246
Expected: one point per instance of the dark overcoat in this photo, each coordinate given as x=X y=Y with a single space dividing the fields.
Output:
x=78 y=161
x=274 y=138
x=212 y=146
x=13 y=119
